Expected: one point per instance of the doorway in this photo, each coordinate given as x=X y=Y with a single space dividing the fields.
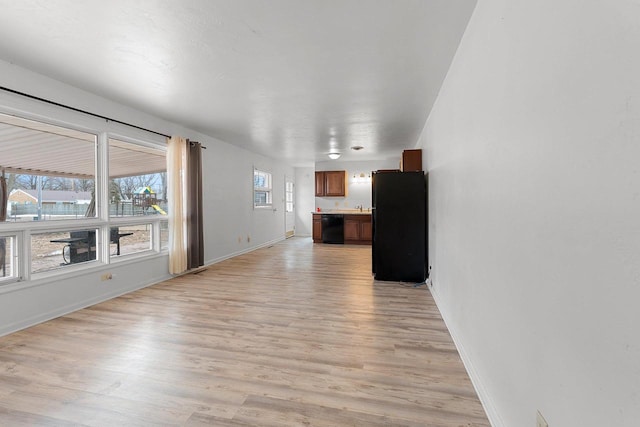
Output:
x=289 y=208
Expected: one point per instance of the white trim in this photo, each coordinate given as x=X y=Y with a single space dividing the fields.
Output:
x=483 y=394
x=14 y=260
x=244 y=251
x=51 y=225
x=96 y=267
x=35 y=320
x=53 y=314
x=48 y=114
x=117 y=259
x=268 y=190
x=121 y=221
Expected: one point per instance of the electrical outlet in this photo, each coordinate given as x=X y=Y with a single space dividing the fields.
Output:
x=106 y=276
x=540 y=421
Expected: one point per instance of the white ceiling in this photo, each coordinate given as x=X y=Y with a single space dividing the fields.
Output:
x=285 y=78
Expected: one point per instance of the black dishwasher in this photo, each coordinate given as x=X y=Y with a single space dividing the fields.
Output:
x=332 y=228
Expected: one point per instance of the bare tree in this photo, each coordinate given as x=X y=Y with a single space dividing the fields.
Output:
x=83 y=185
x=115 y=192
x=12 y=181
x=129 y=184
x=163 y=183
x=30 y=182
x=27 y=182
x=58 y=184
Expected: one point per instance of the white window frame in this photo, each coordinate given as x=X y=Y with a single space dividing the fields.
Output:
x=123 y=221
x=135 y=221
x=12 y=250
x=267 y=188
x=62 y=268
x=22 y=275
x=289 y=196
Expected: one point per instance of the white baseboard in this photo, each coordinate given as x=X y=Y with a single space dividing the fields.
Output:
x=61 y=311
x=244 y=251
x=79 y=305
x=487 y=402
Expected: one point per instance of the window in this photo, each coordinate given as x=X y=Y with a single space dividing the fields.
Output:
x=288 y=192
x=60 y=249
x=50 y=170
x=131 y=239
x=261 y=189
x=8 y=258
x=137 y=196
x=56 y=218
x=137 y=180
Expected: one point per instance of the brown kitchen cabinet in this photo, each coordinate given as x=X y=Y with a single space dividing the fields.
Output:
x=411 y=161
x=331 y=184
x=317 y=228
x=319 y=184
x=357 y=229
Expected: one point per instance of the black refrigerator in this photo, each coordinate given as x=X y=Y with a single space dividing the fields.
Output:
x=399 y=219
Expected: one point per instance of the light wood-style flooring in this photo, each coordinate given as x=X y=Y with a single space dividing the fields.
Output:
x=295 y=334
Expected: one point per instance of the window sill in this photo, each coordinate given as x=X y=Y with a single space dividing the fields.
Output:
x=47 y=278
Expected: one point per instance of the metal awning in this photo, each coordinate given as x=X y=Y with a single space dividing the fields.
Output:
x=127 y=159
x=35 y=148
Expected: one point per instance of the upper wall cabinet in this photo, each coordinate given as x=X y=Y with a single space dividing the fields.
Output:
x=331 y=184
x=411 y=161
x=319 y=184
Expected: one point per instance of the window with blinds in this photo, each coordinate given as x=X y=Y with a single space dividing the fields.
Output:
x=262 y=189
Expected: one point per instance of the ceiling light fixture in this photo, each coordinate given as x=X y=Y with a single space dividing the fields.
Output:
x=357 y=147
x=334 y=155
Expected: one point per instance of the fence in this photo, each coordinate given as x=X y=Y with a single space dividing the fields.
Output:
x=70 y=210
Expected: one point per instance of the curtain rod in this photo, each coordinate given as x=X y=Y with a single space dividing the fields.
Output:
x=196 y=142
x=57 y=104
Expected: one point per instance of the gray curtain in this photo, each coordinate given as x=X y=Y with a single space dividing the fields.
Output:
x=195 y=237
x=4 y=198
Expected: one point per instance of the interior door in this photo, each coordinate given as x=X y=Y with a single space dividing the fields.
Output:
x=289 y=208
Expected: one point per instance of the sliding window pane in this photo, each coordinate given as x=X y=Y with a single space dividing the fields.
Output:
x=8 y=258
x=130 y=239
x=56 y=250
x=50 y=170
x=137 y=180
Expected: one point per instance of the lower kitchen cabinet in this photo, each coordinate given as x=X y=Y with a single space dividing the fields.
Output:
x=357 y=229
x=317 y=228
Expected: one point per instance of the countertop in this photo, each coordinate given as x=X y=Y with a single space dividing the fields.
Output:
x=343 y=212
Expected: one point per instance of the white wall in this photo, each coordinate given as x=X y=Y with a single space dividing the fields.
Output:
x=231 y=225
x=304 y=199
x=358 y=193
x=533 y=154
